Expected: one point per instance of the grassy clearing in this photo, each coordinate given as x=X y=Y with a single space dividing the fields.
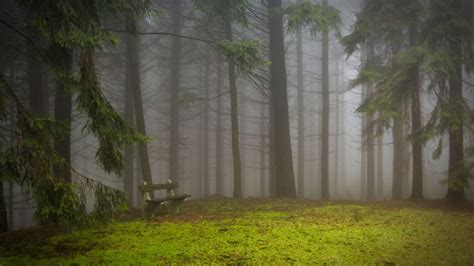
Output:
x=257 y=231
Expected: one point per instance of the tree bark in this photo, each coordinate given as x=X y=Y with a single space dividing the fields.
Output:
x=219 y=136
x=132 y=53
x=398 y=143
x=234 y=116
x=300 y=96
x=263 y=149
x=380 y=180
x=278 y=82
x=174 y=92
x=3 y=210
x=337 y=137
x=62 y=112
x=457 y=179
x=363 y=150
x=370 y=139
x=325 y=115
x=417 y=149
x=272 y=182
x=207 y=74
x=128 y=151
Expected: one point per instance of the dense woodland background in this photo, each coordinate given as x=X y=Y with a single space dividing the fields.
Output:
x=332 y=99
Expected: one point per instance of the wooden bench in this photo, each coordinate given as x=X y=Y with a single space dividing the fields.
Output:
x=172 y=201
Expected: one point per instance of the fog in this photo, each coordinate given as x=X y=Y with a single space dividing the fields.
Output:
x=185 y=101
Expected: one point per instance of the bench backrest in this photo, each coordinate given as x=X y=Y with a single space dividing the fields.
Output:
x=170 y=186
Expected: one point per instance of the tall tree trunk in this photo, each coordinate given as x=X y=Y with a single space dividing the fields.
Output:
x=174 y=92
x=370 y=139
x=272 y=178
x=300 y=89
x=325 y=115
x=132 y=53
x=281 y=126
x=380 y=181
x=263 y=145
x=219 y=136
x=62 y=112
x=417 y=149
x=398 y=143
x=234 y=116
x=128 y=150
x=342 y=175
x=363 y=150
x=205 y=154
x=456 y=171
x=457 y=179
x=3 y=210
x=337 y=137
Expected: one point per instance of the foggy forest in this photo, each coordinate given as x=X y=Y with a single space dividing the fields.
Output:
x=236 y=132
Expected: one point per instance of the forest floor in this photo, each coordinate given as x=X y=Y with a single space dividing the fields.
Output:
x=261 y=231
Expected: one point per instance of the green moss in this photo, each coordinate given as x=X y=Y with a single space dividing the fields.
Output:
x=263 y=231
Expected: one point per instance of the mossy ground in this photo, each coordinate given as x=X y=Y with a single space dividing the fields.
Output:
x=257 y=231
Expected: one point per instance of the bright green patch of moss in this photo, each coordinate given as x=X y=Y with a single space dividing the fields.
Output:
x=264 y=232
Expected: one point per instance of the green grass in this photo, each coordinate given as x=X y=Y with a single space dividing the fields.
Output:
x=254 y=231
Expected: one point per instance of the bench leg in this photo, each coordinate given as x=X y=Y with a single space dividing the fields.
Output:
x=148 y=210
x=173 y=206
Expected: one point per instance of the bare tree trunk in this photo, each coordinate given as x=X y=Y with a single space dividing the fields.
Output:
x=398 y=143
x=128 y=174
x=263 y=145
x=398 y=153
x=337 y=144
x=278 y=82
x=380 y=180
x=62 y=112
x=234 y=116
x=300 y=89
x=132 y=53
x=3 y=210
x=457 y=179
x=363 y=150
x=272 y=182
x=325 y=115
x=174 y=92
x=417 y=148
x=342 y=176
x=207 y=74
x=219 y=137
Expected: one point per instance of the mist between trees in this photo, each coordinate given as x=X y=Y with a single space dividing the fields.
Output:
x=335 y=100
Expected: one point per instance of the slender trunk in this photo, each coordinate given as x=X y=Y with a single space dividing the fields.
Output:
x=234 y=116
x=370 y=139
x=337 y=137
x=300 y=89
x=132 y=53
x=219 y=137
x=456 y=173
x=417 y=148
x=272 y=182
x=3 y=210
x=263 y=145
x=398 y=143
x=174 y=92
x=128 y=177
x=398 y=153
x=363 y=150
x=278 y=82
x=325 y=115
x=207 y=74
x=457 y=179
x=342 y=176
x=380 y=192
x=62 y=112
